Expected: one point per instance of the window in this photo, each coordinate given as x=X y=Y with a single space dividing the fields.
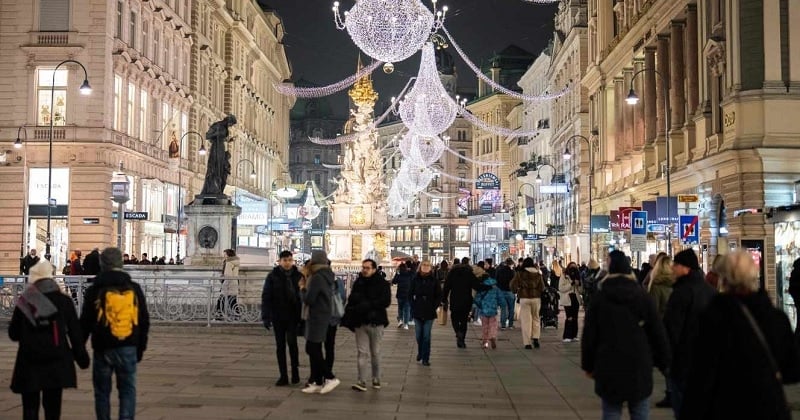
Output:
x=47 y=78
x=462 y=156
x=318 y=180
x=132 y=30
x=462 y=233
x=131 y=109
x=436 y=205
x=416 y=233
x=54 y=15
x=120 y=7
x=436 y=234
x=317 y=159
x=297 y=158
x=156 y=44
x=143 y=107
x=117 y=102
x=165 y=62
x=407 y=234
x=145 y=37
x=434 y=182
x=461 y=182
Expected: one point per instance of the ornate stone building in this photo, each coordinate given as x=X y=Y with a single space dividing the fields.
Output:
x=147 y=93
x=729 y=80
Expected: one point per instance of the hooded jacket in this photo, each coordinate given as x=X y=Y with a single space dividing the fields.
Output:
x=317 y=296
x=101 y=338
x=488 y=300
x=425 y=296
x=458 y=289
x=280 y=297
x=660 y=289
x=731 y=375
x=528 y=284
x=403 y=281
x=504 y=275
x=369 y=298
x=623 y=339
x=690 y=297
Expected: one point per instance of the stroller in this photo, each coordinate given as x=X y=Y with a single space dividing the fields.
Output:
x=549 y=311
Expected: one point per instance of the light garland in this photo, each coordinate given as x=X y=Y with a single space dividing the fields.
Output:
x=475 y=161
x=421 y=150
x=541 y=1
x=457 y=178
x=494 y=129
x=428 y=109
x=498 y=87
x=389 y=30
x=318 y=92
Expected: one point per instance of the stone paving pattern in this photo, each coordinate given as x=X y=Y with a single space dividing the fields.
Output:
x=228 y=372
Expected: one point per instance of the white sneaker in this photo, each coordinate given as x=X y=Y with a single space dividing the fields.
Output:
x=329 y=385
x=567 y=340
x=411 y=322
x=405 y=327
x=312 y=389
x=575 y=340
x=399 y=324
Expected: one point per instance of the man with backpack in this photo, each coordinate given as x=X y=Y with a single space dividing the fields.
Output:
x=115 y=315
x=280 y=308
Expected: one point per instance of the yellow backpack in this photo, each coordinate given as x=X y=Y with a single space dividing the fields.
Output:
x=119 y=311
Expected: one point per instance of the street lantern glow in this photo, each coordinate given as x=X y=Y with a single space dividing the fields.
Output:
x=632 y=98
x=567 y=155
x=85 y=88
x=538 y=179
x=253 y=174
x=202 y=151
x=18 y=143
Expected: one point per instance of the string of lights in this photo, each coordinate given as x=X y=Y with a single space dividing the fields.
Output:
x=317 y=92
x=475 y=161
x=501 y=131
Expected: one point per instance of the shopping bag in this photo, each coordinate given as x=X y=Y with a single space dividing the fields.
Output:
x=441 y=315
x=517 y=308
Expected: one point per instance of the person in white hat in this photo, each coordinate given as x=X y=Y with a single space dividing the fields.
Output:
x=50 y=343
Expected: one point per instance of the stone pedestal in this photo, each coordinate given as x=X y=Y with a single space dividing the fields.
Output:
x=356 y=234
x=210 y=232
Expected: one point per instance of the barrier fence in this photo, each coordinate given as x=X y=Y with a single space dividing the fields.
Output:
x=169 y=298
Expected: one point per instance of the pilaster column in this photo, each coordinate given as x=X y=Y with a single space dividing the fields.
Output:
x=649 y=95
x=619 y=127
x=677 y=89
x=662 y=53
x=772 y=44
x=638 y=109
x=627 y=111
x=692 y=59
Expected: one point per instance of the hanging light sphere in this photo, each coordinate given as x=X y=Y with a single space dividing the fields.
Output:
x=412 y=179
x=395 y=201
x=388 y=30
x=421 y=150
x=388 y=68
x=428 y=109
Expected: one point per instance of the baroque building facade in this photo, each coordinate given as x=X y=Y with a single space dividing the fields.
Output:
x=726 y=79
x=142 y=69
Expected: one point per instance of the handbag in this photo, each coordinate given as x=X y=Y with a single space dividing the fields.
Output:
x=441 y=315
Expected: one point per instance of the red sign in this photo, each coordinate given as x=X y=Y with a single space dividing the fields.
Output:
x=625 y=217
x=614 y=221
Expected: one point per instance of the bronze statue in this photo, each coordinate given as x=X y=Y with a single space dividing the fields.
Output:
x=219 y=159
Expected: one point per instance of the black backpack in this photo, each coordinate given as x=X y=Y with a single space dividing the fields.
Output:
x=45 y=341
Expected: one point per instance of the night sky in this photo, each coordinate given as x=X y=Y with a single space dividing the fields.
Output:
x=322 y=54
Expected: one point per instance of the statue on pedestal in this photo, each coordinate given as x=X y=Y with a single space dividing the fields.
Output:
x=219 y=159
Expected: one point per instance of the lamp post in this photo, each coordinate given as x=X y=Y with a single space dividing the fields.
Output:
x=85 y=89
x=18 y=143
x=120 y=193
x=633 y=99
x=519 y=199
x=180 y=186
x=539 y=181
x=235 y=196
x=568 y=156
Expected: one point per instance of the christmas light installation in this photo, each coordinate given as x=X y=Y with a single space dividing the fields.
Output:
x=494 y=129
x=421 y=150
x=389 y=30
x=428 y=109
x=475 y=161
x=413 y=179
x=317 y=92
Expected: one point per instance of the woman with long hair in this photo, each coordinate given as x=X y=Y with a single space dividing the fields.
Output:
x=660 y=288
x=424 y=295
x=568 y=298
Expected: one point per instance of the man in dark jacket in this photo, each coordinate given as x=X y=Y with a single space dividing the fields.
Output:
x=91 y=264
x=28 y=261
x=505 y=273
x=622 y=339
x=118 y=341
x=689 y=298
x=280 y=308
x=458 y=294
x=365 y=314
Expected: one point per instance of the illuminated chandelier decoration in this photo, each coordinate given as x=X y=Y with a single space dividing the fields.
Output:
x=412 y=178
x=389 y=30
x=310 y=210
x=428 y=109
x=421 y=150
x=396 y=202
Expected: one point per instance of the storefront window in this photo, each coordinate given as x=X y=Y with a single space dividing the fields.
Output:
x=417 y=234
x=436 y=233
x=462 y=233
x=407 y=234
x=44 y=83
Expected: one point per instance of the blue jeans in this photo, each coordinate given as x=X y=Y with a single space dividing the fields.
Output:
x=507 y=300
x=403 y=310
x=422 y=330
x=676 y=395
x=639 y=410
x=122 y=361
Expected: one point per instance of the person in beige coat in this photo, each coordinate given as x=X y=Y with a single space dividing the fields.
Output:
x=227 y=302
x=529 y=285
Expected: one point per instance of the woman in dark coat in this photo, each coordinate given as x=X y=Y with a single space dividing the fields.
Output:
x=744 y=353
x=50 y=343
x=403 y=281
x=623 y=338
x=425 y=295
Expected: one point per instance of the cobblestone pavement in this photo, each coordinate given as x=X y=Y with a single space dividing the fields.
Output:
x=228 y=372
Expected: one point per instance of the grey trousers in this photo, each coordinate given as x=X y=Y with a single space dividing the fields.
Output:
x=368 y=343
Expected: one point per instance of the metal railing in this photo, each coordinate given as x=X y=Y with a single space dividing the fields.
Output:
x=169 y=298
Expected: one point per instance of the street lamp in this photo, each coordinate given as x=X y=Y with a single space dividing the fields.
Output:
x=180 y=186
x=539 y=181
x=633 y=99
x=120 y=194
x=18 y=143
x=85 y=89
x=568 y=156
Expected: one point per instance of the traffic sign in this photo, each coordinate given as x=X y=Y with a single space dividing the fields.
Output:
x=638 y=243
x=656 y=228
x=688 y=198
x=638 y=223
x=689 y=229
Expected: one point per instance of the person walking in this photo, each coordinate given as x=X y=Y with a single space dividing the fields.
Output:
x=487 y=300
x=402 y=278
x=425 y=295
x=28 y=261
x=442 y=271
x=91 y=264
x=505 y=273
x=589 y=282
x=794 y=290
x=568 y=299
x=46 y=326
x=690 y=297
x=365 y=314
x=280 y=309
x=660 y=288
x=457 y=293
x=623 y=339
x=75 y=267
x=529 y=286
x=317 y=293
x=339 y=294
x=227 y=303
x=114 y=314
x=744 y=353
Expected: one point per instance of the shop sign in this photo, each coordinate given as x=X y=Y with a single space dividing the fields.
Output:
x=434 y=245
x=625 y=217
x=91 y=221
x=487 y=181
x=533 y=236
x=490 y=237
x=136 y=215
x=37 y=186
x=656 y=228
x=554 y=189
x=154 y=229
x=613 y=222
x=254 y=213
x=688 y=198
